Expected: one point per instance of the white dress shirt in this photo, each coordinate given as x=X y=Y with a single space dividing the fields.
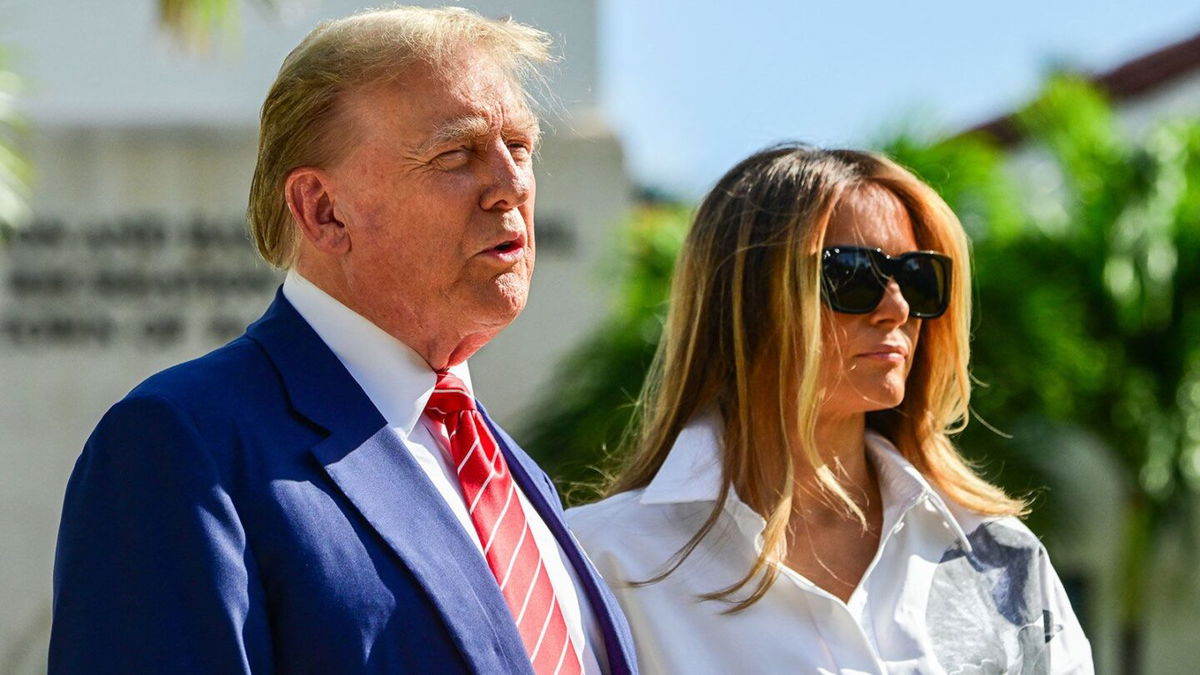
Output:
x=399 y=382
x=949 y=591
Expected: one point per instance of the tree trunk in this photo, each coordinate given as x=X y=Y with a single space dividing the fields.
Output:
x=1131 y=650
x=1136 y=544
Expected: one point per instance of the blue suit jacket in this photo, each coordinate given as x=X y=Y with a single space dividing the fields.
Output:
x=250 y=511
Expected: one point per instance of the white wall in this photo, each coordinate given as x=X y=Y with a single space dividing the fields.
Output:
x=1181 y=100
x=109 y=63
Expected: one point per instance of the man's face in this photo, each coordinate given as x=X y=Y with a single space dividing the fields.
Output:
x=437 y=197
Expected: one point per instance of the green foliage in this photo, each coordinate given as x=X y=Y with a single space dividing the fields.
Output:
x=968 y=173
x=194 y=23
x=15 y=171
x=1103 y=311
x=191 y=22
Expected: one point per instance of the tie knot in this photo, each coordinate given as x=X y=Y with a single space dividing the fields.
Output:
x=450 y=396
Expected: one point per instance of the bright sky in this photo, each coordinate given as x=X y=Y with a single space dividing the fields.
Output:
x=692 y=86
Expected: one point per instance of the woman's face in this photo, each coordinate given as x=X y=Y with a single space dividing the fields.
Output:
x=866 y=357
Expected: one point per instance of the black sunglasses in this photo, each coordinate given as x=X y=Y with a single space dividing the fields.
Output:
x=854 y=278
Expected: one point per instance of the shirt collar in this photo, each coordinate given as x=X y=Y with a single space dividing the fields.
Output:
x=692 y=470
x=396 y=379
x=903 y=486
x=692 y=473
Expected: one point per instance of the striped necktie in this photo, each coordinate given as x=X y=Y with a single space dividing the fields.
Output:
x=508 y=544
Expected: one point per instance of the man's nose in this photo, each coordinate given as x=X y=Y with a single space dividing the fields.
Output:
x=509 y=180
x=893 y=308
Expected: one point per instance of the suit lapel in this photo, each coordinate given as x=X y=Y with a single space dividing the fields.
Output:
x=377 y=474
x=618 y=640
x=391 y=491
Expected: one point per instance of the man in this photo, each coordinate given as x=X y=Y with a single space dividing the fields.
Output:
x=322 y=494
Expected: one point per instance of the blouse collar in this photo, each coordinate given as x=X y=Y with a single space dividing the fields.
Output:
x=692 y=473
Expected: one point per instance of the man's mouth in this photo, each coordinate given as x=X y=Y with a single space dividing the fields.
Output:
x=508 y=251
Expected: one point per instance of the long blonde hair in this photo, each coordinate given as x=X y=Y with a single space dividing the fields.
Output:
x=743 y=336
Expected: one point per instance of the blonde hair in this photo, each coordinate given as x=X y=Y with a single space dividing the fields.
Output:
x=300 y=120
x=743 y=336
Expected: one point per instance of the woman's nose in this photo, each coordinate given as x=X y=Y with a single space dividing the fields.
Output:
x=892 y=307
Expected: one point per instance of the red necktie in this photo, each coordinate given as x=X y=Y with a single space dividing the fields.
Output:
x=507 y=541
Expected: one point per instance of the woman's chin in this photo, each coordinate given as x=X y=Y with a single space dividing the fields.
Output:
x=886 y=399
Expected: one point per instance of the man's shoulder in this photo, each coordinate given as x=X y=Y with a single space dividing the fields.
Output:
x=217 y=407
x=232 y=365
x=231 y=377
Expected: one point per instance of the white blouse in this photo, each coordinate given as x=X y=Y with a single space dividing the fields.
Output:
x=949 y=591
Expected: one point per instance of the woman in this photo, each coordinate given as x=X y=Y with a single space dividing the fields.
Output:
x=793 y=502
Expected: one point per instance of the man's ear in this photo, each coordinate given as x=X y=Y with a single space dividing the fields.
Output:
x=309 y=194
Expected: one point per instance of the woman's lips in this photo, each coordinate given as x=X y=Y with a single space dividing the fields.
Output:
x=889 y=354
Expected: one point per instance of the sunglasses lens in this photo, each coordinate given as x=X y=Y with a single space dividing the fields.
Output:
x=924 y=280
x=851 y=282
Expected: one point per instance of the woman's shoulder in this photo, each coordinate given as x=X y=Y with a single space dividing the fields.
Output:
x=630 y=528
x=992 y=531
x=1010 y=530
x=900 y=480
x=1002 y=584
x=593 y=521
x=620 y=534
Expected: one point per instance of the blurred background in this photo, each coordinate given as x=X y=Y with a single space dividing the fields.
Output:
x=1066 y=135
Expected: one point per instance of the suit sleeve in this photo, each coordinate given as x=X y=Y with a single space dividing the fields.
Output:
x=153 y=573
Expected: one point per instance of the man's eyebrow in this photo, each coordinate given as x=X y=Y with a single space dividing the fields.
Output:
x=459 y=128
x=525 y=122
x=475 y=126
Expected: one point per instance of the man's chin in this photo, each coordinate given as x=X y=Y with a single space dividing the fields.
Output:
x=505 y=298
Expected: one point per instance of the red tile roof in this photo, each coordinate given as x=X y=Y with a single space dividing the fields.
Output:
x=1128 y=81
